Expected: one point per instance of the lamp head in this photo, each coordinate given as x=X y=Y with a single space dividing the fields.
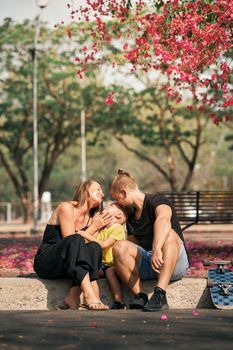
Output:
x=42 y=3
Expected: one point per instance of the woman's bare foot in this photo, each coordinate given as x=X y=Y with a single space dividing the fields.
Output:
x=72 y=299
x=91 y=295
x=95 y=305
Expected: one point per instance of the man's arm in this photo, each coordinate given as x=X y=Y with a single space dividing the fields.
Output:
x=162 y=228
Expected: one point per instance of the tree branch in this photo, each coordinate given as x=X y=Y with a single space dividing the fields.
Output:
x=142 y=156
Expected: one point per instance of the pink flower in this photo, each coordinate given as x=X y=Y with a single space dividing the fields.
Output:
x=185 y=40
x=109 y=100
x=69 y=33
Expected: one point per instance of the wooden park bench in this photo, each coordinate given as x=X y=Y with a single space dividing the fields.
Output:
x=202 y=207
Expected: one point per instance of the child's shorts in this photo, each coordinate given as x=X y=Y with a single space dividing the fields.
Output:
x=104 y=267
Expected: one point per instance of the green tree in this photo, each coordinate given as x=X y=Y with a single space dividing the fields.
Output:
x=60 y=100
x=159 y=124
x=61 y=97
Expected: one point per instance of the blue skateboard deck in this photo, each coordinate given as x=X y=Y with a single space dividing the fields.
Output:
x=220 y=283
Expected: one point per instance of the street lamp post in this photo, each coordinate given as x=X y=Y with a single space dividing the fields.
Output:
x=83 y=147
x=41 y=4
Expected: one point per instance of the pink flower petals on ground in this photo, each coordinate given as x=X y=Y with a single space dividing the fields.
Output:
x=18 y=253
x=163 y=317
x=195 y=313
x=199 y=250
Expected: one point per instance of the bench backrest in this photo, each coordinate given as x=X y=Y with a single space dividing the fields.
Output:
x=203 y=207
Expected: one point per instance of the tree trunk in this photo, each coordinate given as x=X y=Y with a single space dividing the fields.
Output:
x=172 y=170
x=21 y=189
x=27 y=209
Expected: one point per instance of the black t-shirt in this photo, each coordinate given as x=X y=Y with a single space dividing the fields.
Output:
x=143 y=228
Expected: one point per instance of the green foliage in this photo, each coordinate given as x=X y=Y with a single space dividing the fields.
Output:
x=61 y=97
x=229 y=138
x=147 y=124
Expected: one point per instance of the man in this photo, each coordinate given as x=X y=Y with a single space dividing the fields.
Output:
x=155 y=247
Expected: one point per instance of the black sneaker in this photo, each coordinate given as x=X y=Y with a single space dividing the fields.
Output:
x=139 y=301
x=157 y=302
x=117 y=305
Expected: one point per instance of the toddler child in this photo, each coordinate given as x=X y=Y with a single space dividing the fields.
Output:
x=106 y=238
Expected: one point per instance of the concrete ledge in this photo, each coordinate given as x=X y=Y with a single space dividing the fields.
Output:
x=32 y=293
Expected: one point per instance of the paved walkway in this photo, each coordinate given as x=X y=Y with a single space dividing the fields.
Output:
x=129 y=329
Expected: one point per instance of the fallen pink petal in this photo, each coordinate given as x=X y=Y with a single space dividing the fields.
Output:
x=196 y=313
x=163 y=317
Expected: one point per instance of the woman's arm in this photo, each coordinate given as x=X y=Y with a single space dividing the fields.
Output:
x=65 y=213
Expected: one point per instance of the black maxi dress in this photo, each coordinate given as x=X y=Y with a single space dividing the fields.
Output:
x=68 y=257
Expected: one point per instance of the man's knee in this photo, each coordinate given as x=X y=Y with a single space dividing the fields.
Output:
x=173 y=238
x=120 y=248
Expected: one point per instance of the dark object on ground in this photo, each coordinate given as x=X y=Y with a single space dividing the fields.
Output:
x=220 y=283
x=117 y=305
x=139 y=301
x=157 y=302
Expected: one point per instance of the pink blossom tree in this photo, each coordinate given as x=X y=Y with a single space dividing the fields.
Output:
x=189 y=42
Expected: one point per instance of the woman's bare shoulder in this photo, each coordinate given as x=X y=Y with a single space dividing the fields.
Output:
x=65 y=207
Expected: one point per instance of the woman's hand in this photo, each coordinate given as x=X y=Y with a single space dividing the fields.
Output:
x=101 y=220
x=81 y=233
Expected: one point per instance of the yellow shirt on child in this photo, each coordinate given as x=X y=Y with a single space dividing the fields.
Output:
x=117 y=232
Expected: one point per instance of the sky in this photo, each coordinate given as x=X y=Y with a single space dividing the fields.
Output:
x=18 y=10
x=55 y=12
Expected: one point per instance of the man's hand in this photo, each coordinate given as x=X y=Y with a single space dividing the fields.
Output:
x=157 y=259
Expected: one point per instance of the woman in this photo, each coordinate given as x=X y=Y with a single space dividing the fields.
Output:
x=63 y=252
